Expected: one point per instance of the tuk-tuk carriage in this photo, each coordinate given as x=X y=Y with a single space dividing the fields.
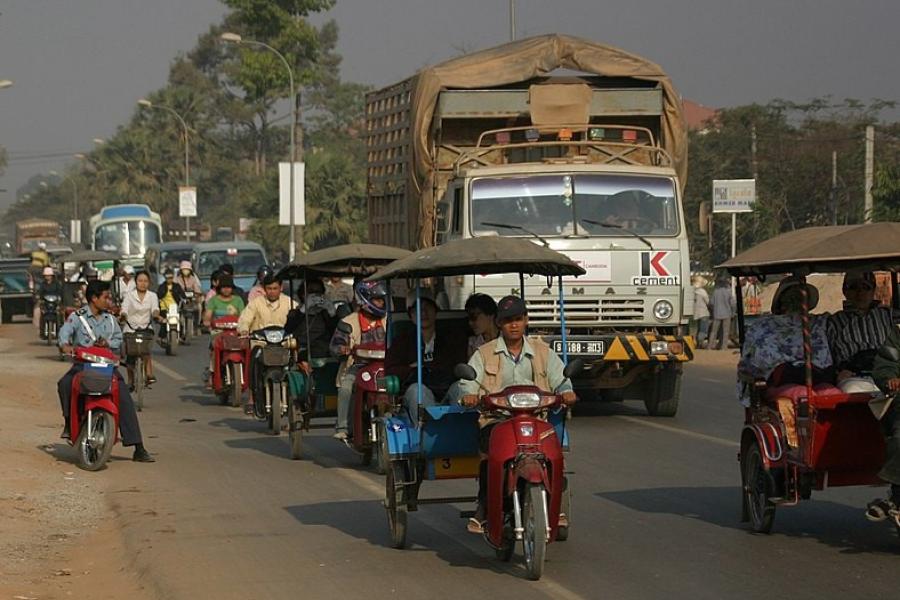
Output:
x=810 y=436
x=318 y=396
x=526 y=489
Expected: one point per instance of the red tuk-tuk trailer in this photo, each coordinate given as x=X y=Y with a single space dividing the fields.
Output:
x=800 y=438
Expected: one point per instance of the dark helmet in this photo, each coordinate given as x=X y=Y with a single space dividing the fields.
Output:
x=366 y=291
x=263 y=272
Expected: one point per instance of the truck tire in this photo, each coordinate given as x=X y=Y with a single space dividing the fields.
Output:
x=663 y=391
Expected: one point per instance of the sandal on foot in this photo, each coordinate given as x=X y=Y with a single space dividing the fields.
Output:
x=879 y=510
x=475 y=526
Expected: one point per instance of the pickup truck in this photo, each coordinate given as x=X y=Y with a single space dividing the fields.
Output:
x=16 y=297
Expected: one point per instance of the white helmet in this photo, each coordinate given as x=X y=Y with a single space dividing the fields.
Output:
x=42 y=245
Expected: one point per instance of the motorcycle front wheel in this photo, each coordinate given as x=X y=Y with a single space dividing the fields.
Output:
x=94 y=451
x=534 y=520
x=236 y=373
x=275 y=389
x=172 y=342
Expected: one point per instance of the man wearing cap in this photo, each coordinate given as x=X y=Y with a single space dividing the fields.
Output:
x=440 y=354
x=856 y=332
x=511 y=359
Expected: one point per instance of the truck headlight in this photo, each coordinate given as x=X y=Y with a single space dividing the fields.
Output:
x=663 y=310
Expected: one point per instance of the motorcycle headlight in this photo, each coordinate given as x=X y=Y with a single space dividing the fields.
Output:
x=663 y=310
x=274 y=336
x=51 y=299
x=524 y=400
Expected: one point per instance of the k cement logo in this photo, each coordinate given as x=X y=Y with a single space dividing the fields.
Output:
x=653 y=271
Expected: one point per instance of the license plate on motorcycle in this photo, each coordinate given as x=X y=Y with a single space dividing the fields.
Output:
x=456 y=467
x=595 y=347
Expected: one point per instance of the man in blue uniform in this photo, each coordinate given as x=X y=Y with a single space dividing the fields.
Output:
x=93 y=325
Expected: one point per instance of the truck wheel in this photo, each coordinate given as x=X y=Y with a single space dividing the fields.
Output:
x=662 y=392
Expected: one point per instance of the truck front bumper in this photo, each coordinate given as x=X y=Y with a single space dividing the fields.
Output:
x=641 y=348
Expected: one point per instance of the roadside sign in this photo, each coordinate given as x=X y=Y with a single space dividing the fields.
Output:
x=187 y=201
x=733 y=195
x=284 y=194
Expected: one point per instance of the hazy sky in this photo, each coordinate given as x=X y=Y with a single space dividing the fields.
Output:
x=80 y=65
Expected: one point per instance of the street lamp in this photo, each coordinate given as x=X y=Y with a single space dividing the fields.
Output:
x=144 y=103
x=5 y=83
x=75 y=229
x=234 y=38
x=99 y=141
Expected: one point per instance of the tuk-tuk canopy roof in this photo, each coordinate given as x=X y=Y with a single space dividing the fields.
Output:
x=481 y=256
x=344 y=260
x=873 y=246
x=83 y=256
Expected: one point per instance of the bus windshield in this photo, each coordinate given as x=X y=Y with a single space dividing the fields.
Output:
x=245 y=261
x=126 y=238
x=574 y=205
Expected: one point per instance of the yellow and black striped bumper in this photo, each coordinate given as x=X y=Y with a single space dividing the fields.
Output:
x=639 y=348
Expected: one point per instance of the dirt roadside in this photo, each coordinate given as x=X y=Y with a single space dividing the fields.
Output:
x=50 y=511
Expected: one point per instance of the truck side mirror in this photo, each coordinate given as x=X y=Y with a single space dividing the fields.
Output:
x=703 y=218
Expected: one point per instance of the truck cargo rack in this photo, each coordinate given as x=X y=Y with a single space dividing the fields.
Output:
x=643 y=150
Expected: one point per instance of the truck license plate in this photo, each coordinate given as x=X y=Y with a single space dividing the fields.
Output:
x=595 y=347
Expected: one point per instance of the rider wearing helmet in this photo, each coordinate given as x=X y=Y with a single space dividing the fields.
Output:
x=49 y=285
x=367 y=325
x=259 y=287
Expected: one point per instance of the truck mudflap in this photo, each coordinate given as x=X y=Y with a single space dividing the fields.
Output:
x=628 y=348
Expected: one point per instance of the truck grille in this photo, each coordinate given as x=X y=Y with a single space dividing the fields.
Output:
x=587 y=310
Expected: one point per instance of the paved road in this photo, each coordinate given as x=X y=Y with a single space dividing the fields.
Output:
x=225 y=514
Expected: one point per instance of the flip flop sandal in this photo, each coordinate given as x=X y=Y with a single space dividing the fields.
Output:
x=879 y=510
x=475 y=526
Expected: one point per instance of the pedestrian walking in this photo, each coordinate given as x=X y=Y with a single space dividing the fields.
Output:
x=723 y=307
x=701 y=309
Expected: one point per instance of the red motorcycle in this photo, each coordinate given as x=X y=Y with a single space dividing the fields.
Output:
x=370 y=401
x=94 y=408
x=525 y=480
x=231 y=361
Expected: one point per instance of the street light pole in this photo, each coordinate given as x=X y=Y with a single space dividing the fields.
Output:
x=187 y=153
x=75 y=223
x=237 y=39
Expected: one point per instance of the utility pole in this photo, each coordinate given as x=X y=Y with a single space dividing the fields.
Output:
x=834 y=209
x=512 y=20
x=297 y=155
x=869 y=173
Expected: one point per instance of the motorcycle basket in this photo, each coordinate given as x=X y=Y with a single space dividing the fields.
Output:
x=275 y=356
x=94 y=383
x=138 y=344
x=233 y=343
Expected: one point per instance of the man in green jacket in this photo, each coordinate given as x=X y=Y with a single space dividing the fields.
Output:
x=886 y=373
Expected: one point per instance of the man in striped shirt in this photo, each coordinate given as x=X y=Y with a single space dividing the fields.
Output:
x=856 y=333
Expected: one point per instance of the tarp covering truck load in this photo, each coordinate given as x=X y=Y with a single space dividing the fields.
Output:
x=590 y=162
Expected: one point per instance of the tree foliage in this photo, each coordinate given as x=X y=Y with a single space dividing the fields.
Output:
x=235 y=101
x=793 y=166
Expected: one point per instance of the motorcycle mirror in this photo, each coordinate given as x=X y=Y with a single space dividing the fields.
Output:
x=465 y=372
x=345 y=328
x=889 y=353
x=574 y=367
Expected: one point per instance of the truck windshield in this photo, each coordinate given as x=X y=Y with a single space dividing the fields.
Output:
x=245 y=262
x=579 y=205
x=126 y=238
